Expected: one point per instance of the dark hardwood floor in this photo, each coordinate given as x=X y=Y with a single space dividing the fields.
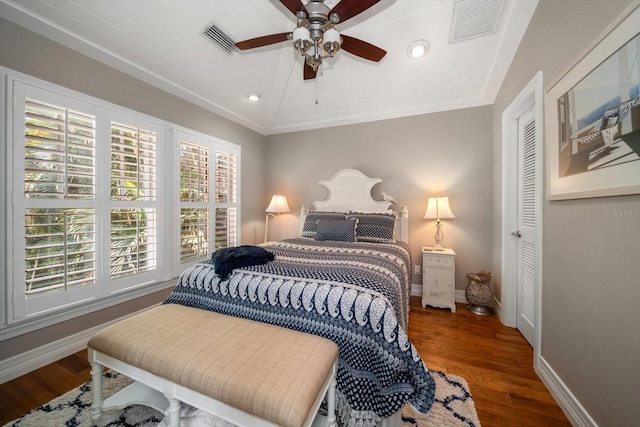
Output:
x=495 y=360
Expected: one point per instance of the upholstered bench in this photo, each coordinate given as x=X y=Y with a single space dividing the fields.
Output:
x=246 y=372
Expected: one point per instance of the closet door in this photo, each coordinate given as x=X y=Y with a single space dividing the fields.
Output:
x=527 y=258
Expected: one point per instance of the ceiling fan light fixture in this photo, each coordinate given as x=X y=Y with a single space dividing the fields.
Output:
x=418 y=49
x=301 y=39
x=331 y=39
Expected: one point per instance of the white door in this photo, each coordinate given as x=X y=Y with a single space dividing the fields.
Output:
x=527 y=262
x=521 y=269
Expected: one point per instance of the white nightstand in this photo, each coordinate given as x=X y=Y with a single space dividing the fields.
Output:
x=439 y=279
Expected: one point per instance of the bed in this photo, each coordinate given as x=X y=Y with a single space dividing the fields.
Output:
x=354 y=293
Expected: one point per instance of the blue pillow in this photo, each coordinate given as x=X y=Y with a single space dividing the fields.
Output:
x=310 y=222
x=374 y=227
x=340 y=231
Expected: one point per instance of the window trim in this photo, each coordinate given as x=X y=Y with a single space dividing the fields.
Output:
x=167 y=213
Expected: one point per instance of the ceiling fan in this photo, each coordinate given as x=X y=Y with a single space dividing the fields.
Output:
x=315 y=36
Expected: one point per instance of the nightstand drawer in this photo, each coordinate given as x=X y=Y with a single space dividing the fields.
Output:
x=437 y=261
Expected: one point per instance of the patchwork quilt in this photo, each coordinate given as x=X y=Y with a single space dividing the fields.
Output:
x=356 y=294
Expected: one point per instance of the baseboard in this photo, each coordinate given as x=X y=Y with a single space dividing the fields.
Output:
x=571 y=407
x=416 y=290
x=461 y=295
x=497 y=308
x=36 y=358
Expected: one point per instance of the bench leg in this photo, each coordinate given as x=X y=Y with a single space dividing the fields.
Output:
x=96 y=388
x=173 y=412
x=331 y=401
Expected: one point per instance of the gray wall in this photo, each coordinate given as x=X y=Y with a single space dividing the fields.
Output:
x=416 y=157
x=29 y=53
x=591 y=268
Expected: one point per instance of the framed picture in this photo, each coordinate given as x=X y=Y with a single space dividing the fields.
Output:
x=593 y=119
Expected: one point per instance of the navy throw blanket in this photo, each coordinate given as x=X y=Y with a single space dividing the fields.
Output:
x=225 y=260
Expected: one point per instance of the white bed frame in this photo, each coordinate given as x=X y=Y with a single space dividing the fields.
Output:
x=350 y=190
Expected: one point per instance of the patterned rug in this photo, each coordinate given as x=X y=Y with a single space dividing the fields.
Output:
x=453 y=407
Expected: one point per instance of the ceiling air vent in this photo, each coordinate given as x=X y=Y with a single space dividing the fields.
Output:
x=475 y=18
x=218 y=37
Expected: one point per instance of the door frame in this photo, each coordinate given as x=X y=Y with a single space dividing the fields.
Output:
x=531 y=95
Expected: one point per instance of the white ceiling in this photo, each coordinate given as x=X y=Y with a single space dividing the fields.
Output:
x=160 y=42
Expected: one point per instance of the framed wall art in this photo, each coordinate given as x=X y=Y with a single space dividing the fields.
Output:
x=593 y=119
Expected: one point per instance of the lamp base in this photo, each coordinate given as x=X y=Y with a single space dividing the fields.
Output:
x=439 y=237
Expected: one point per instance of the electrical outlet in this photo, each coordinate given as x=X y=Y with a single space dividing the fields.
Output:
x=416 y=269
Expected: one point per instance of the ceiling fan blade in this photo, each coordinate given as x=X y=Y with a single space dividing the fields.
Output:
x=262 y=41
x=309 y=73
x=362 y=49
x=294 y=5
x=347 y=9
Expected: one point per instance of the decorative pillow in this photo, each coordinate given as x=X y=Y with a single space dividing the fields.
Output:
x=342 y=231
x=374 y=227
x=310 y=223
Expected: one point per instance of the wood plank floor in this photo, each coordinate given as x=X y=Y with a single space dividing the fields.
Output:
x=495 y=360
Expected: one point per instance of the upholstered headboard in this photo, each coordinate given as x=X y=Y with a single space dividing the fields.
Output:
x=350 y=190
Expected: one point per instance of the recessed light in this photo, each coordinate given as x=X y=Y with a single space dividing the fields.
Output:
x=418 y=49
x=253 y=97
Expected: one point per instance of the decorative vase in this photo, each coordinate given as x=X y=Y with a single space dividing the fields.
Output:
x=479 y=293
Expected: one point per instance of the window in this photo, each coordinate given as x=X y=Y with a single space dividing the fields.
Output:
x=87 y=195
x=133 y=223
x=59 y=194
x=226 y=173
x=197 y=208
x=194 y=199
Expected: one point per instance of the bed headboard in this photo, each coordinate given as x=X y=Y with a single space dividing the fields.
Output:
x=350 y=190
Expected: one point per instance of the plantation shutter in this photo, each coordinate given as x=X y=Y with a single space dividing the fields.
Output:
x=226 y=198
x=194 y=200
x=59 y=164
x=134 y=223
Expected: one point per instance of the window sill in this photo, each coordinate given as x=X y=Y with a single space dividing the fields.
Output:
x=33 y=324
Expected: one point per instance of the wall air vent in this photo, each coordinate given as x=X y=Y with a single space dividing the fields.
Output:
x=218 y=37
x=475 y=18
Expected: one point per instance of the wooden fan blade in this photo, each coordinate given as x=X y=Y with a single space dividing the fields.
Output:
x=347 y=9
x=309 y=74
x=262 y=41
x=362 y=49
x=294 y=5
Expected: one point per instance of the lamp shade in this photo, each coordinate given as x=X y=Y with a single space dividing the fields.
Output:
x=438 y=208
x=301 y=33
x=278 y=204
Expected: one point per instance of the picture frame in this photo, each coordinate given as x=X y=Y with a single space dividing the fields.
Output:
x=593 y=118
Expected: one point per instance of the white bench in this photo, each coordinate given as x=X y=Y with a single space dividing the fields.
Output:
x=246 y=372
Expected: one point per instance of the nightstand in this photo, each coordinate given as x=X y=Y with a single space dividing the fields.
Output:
x=439 y=279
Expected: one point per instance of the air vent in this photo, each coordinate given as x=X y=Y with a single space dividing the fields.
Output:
x=218 y=37
x=475 y=18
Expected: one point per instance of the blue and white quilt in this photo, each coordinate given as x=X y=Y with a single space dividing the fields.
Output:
x=356 y=294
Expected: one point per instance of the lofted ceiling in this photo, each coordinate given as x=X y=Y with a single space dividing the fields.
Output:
x=161 y=42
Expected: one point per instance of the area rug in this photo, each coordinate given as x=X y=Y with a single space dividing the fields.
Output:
x=453 y=407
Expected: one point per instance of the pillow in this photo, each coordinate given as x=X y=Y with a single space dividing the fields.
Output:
x=341 y=231
x=310 y=223
x=374 y=227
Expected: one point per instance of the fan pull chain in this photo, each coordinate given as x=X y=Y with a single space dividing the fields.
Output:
x=321 y=74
